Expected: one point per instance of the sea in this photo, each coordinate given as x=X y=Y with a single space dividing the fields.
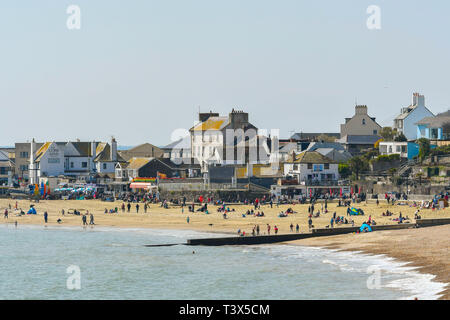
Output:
x=62 y=262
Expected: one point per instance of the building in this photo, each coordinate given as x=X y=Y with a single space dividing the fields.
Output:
x=407 y=150
x=22 y=159
x=145 y=150
x=409 y=116
x=179 y=151
x=356 y=145
x=311 y=167
x=333 y=150
x=361 y=124
x=6 y=169
x=226 y=140
x=435 y=127
x=152 y=168
x=81 y=160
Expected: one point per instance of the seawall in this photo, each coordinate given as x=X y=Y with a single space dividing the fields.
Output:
x=255 y=240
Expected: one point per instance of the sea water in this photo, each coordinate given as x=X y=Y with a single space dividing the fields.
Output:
x=36 y=262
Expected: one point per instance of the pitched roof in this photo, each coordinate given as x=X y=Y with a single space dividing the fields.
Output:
x=213 y=123
x=42 y=150
x=435 y=122
x=310 y=157
x=104 y=153
x=137 y=163
x=3 y=156
x=83 y=148
x=356 y=139
x=183 y=143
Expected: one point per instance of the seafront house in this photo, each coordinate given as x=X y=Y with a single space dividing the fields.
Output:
x=22 y=159
x=311 y=167
x=225 y=140
x=406 y=150
x=435 y=128
x=6 y=169
x=307 y=174
x=359 y=132
x=82 y=160
x=406 y=121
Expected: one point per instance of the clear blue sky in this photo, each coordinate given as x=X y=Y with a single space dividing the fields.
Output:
x=140 y=69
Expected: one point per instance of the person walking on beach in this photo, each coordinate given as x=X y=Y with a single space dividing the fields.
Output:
x=187 y=220
x=257 y=230
x=276 y=229
x=292 y=227
x=5 y=214
x=332 y=222
x=310 y=222
x=268 y=229
x=145 y=207
x=123 y=207
x=45 y=216
x=297 y=228
x=62 y=212
x=128 y=206
x=91 y=220
x=137 y=207
x=83 y=218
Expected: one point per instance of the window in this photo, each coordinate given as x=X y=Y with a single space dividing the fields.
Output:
x=309 y=165
x=24 y=154
x=2 y=170
x=295 y=167
x=84 y=164
x=363 y=121
x=375 y=131
x=327 y=166
x=104 y=166
x=23 y=167
x=71 y=164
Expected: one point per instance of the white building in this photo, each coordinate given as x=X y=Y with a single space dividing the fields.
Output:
x=76 y=159
x=311 y=167
x=409 y=116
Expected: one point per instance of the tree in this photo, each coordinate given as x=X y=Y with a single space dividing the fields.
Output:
x=326 y=138
x=388 y=133
x=400 y=137
x=424 y=147
x=358 y=165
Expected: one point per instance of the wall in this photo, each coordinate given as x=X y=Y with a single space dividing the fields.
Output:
x=409 y=123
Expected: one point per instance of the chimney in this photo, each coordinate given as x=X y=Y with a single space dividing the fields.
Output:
x=202 y=117
x=362 y=109
x=93 y=149
x=238 y=119
x=113 y=149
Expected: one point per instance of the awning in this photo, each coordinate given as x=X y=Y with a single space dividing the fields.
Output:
x=141 y=185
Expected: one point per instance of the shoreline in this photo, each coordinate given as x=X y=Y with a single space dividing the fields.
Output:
x=430 y=260
x=423 y=248
x=340 y=243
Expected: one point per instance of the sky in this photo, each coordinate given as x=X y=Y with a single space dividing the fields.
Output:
x=140 y=70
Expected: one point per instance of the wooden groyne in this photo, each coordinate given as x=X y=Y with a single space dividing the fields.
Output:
x=256 y=240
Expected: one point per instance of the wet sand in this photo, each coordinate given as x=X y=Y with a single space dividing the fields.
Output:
x=426 y=248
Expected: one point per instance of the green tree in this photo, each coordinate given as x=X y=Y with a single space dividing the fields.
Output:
x=358 y=165
x=400 y=137
x=424 y=147
x=388 y=133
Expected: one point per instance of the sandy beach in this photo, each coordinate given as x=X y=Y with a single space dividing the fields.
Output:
x=427 y=248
